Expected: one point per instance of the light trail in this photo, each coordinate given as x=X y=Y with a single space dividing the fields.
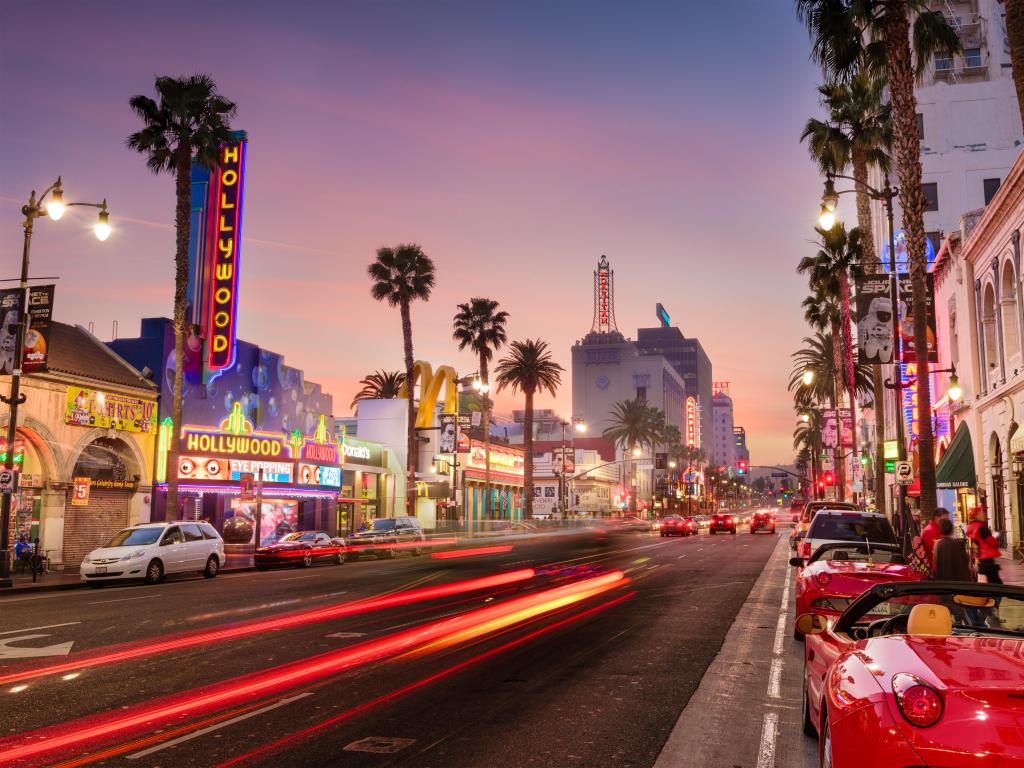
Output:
x=143 y=648
x=288 y=676
x=451 y=554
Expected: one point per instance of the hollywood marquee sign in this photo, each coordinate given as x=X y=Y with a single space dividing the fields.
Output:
x=226 y=444
x=225 y=227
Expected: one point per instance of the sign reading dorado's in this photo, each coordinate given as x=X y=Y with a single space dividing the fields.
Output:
x=226 y=210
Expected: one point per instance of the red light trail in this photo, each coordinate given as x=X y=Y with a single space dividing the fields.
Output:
x=455 y=553
x=435 y=634
x=144 y=648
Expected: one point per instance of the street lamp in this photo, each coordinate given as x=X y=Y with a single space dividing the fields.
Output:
x=954 y=392
x=32 y=210
x=808 y=377
x=826 y=219
x=636 y=453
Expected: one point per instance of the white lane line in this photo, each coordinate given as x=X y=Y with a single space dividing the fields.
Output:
x=124 y=599
x=770 y=731
x=775 y=679
x=293 y=578
x=47 y=626
x=217 y=726
x=780 y=635
x=680 y=557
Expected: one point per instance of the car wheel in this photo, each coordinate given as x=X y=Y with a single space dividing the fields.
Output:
x=711 y=533
x=94 y=584
x=339 y=559
x=825 y=742
x=307 y=560
x=261 y=567
x=809 y=728
x=733 y=531
x=154 y=572
x=212 y=567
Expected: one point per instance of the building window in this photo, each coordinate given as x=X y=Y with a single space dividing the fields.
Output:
x=943 y=62
x=641 y=394
x=935 y=238
x=991 y=187
x=972 y=57
x=930 y=190
x=920 y=126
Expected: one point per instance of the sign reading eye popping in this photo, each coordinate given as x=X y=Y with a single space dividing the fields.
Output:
x=225 y=228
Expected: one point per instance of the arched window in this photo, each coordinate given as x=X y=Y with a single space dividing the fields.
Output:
x=1008 y=307
x=988 y=320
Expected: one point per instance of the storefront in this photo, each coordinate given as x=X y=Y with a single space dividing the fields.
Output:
x=955 y=477
x=84 y=448
x=366 y=483
x=507 y=476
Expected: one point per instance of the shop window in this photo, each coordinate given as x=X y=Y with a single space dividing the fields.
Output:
x=930 y=190
x=991 y=187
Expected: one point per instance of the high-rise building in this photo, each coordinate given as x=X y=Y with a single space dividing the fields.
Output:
x=968 y=121
x=723 y=443
x=687 y=357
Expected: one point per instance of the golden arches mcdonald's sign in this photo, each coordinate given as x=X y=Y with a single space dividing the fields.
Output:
x=430 y=382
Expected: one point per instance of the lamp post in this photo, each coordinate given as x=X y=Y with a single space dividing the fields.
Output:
x=565 y=496
x=827 y=219
x=482 y=387
x=32 y=210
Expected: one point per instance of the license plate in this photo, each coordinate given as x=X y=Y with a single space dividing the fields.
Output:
x=101 y=569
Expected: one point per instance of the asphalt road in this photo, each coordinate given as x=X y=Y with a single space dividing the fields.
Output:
x=563 y=651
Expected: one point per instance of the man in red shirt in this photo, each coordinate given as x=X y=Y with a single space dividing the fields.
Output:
x=930 y=534
x=986 y=545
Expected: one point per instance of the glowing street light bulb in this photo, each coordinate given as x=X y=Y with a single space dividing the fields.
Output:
x=102 y=227
x=636 y=453
x=808 y=377
x=954 y=392
x=805 y=417
x=826 y=219
x=55 y=208
x=581 y=426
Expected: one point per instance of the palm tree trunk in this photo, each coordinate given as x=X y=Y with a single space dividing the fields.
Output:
x=528 y=457
x=487 y=439
x=413 y=459
x=851 y=380
x=871 y=265
x=182 y=220
x=907 y=150
x=837 y=453
x=1015 y=33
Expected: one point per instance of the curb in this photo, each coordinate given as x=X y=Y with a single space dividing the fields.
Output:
x=69 y=585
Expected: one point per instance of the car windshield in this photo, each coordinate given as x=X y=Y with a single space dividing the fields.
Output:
x=299 y=537
x=972 y=613
x=131 y=537
x=384 y=524
x=852 y=528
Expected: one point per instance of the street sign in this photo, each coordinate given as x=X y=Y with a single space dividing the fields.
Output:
x=904 y=472
x=6 y=481
x=779 y=474
x=890 y=449
x=890 y=465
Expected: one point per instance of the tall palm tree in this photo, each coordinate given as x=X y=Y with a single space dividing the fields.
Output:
x=187 y=123
x=1015 y=34
x=380 y=385
x=838 y=30
x=528 y=367
x=634 y=424
x=480 y=325
x=400 y=276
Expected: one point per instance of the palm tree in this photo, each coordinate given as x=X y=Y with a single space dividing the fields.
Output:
x=1015 y=33
x=528 y=367
x=400 y=276
x=380 y=385
x=838 y=29
x=188 y=122
x=480 y=325
x=634 y=424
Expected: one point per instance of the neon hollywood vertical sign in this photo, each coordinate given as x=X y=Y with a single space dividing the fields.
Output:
x=225 y=249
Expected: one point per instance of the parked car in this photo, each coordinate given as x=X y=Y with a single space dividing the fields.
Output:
x=722 y=522
x=302 y=548
x=675 y=525
x=839 y=572
x=388 y=537
x=762 y=521
x=632 y=524
x=151 y=551
x=807 y=513
x=796 y=509
x=844 y=526
x=917 y=673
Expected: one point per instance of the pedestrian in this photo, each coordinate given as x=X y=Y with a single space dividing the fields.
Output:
x=930 y=534
x=950 y=556
x=22 y=549
x=986 y=546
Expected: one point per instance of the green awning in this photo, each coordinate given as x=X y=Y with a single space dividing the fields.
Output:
x=956 y=468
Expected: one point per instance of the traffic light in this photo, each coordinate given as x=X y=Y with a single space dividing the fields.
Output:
x=830 y=479
x=18 y=460
x=741 y=467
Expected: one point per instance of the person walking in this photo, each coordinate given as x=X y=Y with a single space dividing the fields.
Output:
x=986 y=546
x=930 y=534
x=950 y=556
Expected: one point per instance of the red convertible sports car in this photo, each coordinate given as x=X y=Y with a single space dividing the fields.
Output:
x=920 y=673
x=302 y=548
x=837 y=572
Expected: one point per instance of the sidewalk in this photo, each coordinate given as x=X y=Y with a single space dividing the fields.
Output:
x=1011 y=571
x=59 y=580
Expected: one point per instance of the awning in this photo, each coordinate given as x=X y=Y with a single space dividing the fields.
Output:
x=956 y=469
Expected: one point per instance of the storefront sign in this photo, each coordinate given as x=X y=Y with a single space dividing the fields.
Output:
x=80 y=492
x=326 y=453
x=273 y=471
x=316 y=474
x=692 y=428
x=503 y=459
x=117 y=485
x=355 y=451
x=203 y=468
x=232 y=445
x=226 y=235
x=106 y=410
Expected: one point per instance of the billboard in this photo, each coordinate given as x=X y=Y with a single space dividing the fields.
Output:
x=96 y=408
x=36 y=341
x=873 y=316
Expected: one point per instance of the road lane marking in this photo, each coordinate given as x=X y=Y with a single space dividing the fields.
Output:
x=8 y=652
x=32 y=629
x=217 y=726
x=125 y=599
x=680 y=557
x=774 y=679
x=770 y=731
x=780 y=635
x=293 y=578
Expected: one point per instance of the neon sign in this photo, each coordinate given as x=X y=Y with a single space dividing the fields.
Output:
x=502 y=460
x=236 y=436
x=910 y=399
x=226 y=208
x=692 y=433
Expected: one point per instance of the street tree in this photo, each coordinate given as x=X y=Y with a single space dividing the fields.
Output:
x=380 y=385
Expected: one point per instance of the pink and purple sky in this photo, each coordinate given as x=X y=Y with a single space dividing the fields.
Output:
x=517 y=142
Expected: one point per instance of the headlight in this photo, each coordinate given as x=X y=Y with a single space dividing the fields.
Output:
x=86 y=558
x=136 y=554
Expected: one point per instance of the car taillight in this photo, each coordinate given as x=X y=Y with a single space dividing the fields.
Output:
x=824 y=578
x=805 y=549
x=919 y=703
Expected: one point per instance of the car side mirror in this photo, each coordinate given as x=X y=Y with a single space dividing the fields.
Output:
x=796 y=562
x=811 y=624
